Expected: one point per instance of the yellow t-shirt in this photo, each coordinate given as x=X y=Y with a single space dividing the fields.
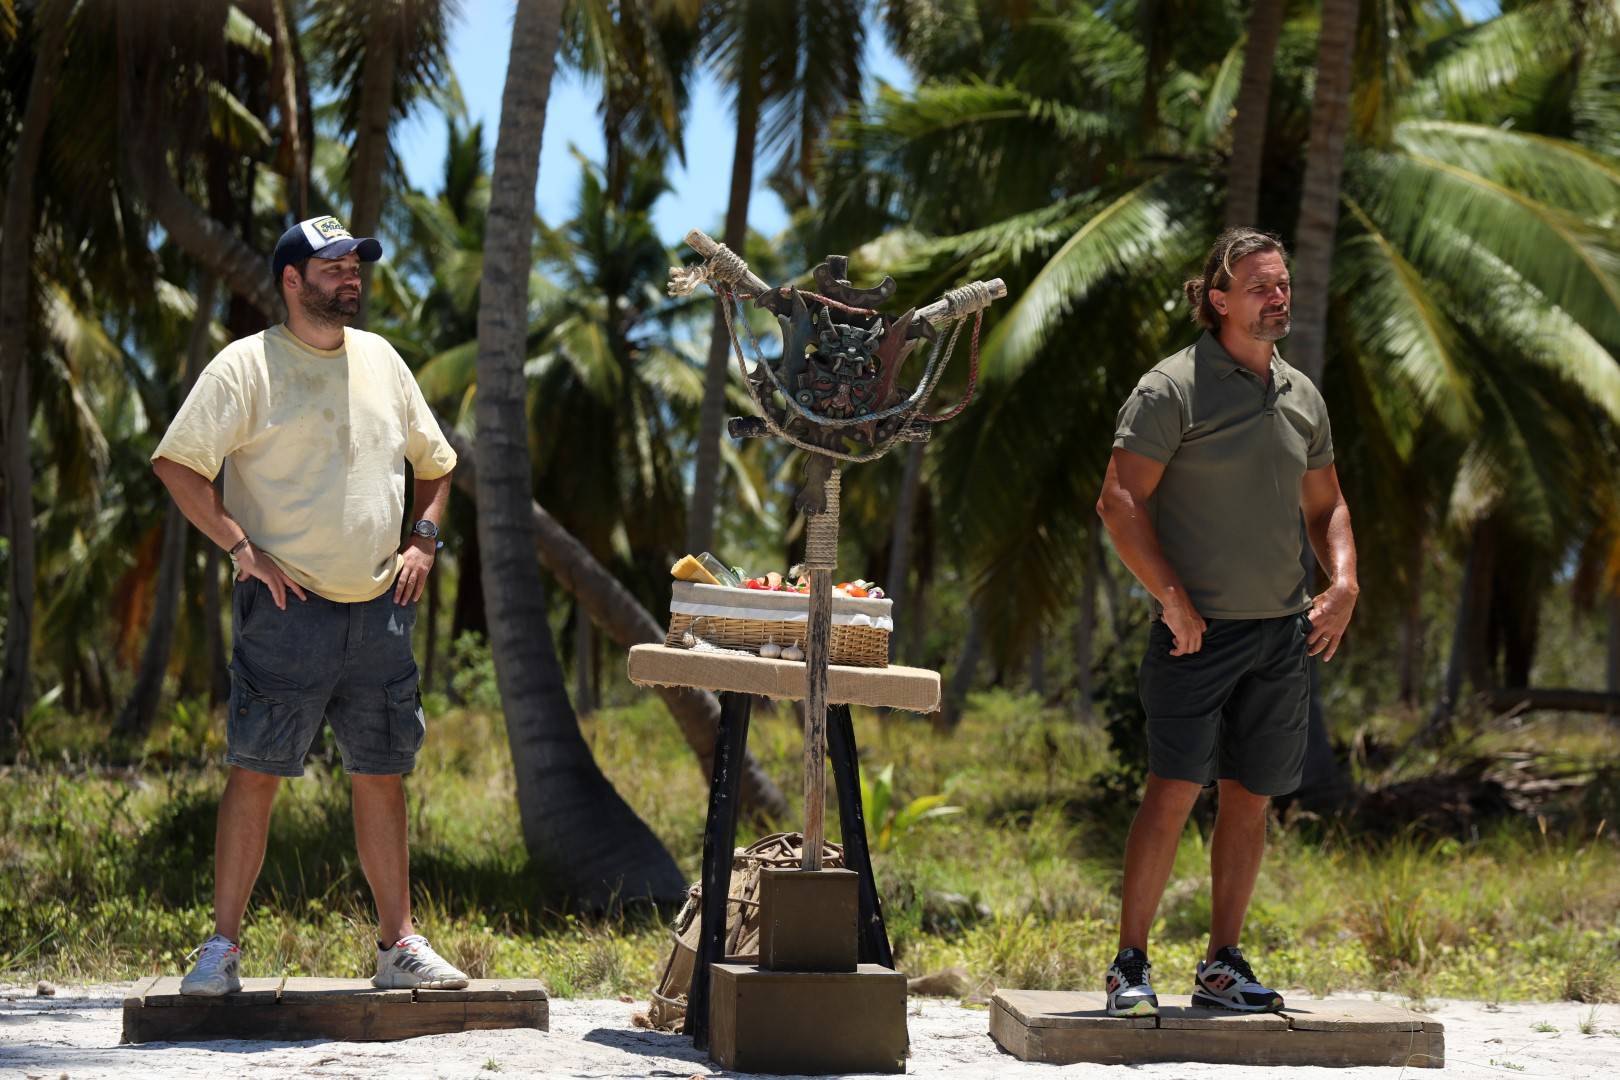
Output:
x=314 y=444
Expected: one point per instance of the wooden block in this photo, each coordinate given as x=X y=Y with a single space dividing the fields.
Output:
x=365 y=1017
x=808 y=919
x=1350 y=1015
x=1064 y=1008
x=812 y=1023
x=133 y=999
x=894 y=687
x=489 y=990
x=1178 y=1012
x=164 y=993
x=338 y=991
x=1066 y=1028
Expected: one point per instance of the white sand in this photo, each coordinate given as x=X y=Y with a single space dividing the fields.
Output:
x=76 y=1033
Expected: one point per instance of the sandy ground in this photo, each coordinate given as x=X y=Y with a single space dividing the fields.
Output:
x=75 y=1034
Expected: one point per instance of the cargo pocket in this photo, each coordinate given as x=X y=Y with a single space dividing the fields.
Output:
x=259 y=727
x=407 y=726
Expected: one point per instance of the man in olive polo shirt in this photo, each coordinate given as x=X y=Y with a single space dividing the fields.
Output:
x=1222 y=461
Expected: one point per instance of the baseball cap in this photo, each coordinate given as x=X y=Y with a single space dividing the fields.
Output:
x=320 y=238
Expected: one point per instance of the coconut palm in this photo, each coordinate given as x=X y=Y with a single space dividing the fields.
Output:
x=563 y=795
x=16 y=272
x=791 y=67
x=1461 y=175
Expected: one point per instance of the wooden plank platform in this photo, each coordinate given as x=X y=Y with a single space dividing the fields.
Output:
x=350 y=1010
x=893 y=687
x=1065 y=1027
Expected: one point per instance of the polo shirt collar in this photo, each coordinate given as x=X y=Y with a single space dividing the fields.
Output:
x=1210 y=351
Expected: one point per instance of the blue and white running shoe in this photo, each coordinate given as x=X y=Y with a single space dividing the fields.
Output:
x=1129 y=991
x=1228 y=982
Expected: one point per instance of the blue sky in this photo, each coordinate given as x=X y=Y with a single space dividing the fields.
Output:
x=478 y=52
x=479 y=44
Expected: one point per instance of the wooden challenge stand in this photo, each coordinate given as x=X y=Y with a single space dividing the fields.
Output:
x=824 y=997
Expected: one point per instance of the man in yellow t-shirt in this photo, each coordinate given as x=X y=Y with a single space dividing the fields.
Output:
x=312 y=423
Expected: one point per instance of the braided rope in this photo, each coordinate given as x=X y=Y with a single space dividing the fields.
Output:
x=821 y=530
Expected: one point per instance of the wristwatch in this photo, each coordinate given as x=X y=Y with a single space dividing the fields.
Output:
x=425 y=528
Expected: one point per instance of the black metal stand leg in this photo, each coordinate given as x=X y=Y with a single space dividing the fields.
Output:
x=874 y=936
x=719 y=839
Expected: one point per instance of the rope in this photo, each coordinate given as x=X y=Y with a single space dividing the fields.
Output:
x=821 y=530
x=724 y=265
x=973 y=376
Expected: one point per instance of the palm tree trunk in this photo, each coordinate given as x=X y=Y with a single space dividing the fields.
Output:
x=1085 y=627
x=706 y=473
x=584 y=700
x=16 y=275
x=371 y=140
x=295 y=159
x=1411 y=643
x=1037 y=665
x=1253 y=105
x=620 y=615
x=967 y=668
x=1319 y=199
x=135 y=718
x=575 y=825
x=905 y=511
x=1445 y=709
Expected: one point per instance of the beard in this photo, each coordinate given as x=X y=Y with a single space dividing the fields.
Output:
x=1270 y=328
x=334 y=308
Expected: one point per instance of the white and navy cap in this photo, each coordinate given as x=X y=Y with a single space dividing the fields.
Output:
x=320 y=238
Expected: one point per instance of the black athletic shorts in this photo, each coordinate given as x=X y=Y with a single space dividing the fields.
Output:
x=1234 y=710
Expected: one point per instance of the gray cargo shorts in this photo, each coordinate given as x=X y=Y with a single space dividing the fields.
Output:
x=1236 y=709
x=347 y=664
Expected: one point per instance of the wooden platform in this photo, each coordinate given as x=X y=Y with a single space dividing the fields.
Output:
x=1065 y=1027
x=351 y=1010
x=893 y=687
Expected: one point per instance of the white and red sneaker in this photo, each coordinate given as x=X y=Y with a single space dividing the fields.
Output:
x=218 y=970
x=412 y=962
x=1227 y=982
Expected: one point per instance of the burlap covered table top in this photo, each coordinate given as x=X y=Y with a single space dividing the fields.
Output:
x=912 y=689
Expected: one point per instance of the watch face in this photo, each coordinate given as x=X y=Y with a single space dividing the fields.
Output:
x=425 y=528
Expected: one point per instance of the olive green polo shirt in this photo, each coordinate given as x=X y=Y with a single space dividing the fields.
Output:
x=1235 y=449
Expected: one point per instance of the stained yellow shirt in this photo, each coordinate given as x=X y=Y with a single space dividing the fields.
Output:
x=313 y=443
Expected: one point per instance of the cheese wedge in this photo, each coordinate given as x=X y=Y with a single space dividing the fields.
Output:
x=689 y=569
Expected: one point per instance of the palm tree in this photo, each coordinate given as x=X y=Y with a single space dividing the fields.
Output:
x=382 y=56
x=16 y=272
x=792 y=67
x=1253 y=103
x=1468 y=176
x=563 y=798
x=1319 y=201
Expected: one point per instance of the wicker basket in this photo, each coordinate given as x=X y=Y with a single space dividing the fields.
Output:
x=745 y=619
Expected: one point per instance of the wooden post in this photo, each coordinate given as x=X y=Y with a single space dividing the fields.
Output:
x=820 y=559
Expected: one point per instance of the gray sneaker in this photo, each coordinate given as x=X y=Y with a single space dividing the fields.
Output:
x=1130 y=993
x=412 y=962
x=218 y=969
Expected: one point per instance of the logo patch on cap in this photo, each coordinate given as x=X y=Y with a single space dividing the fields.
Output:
x=322 y=231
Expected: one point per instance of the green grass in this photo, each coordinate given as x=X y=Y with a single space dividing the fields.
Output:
x=104 y=874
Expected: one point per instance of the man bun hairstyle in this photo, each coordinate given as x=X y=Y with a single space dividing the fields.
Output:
x=1231 y=247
